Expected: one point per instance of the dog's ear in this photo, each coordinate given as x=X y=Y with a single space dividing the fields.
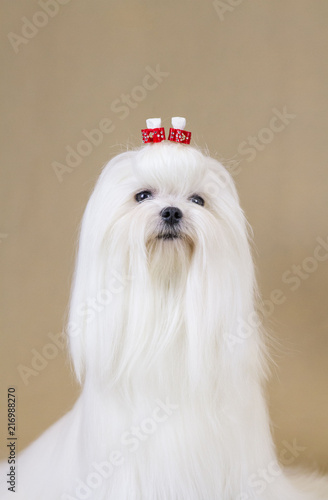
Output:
x=99 y=271
x=81 y=293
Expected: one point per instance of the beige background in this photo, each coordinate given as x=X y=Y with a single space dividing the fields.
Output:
x=225 y=73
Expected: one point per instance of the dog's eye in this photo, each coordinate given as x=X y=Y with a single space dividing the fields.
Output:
x=143 y=195
x=195 y=198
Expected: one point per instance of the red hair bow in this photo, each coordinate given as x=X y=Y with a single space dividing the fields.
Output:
x=177 y=131
x=155 y=133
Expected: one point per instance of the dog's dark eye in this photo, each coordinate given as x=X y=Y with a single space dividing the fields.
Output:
x=197 y=199
x=143 y=195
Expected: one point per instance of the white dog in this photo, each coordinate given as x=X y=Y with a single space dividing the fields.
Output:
x=172 y=404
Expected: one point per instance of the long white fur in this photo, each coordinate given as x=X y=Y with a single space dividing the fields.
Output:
x=160 y=339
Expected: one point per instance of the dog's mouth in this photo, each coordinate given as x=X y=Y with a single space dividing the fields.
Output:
x=173 y=242
x=172 y=233
x=168 y=236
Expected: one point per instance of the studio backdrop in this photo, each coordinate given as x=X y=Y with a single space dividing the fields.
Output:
x=79 y=79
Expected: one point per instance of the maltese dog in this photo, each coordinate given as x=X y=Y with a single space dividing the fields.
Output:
x=172 y=404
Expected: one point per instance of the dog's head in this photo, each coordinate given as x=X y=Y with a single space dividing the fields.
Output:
x=164 y=227
x=167 y=198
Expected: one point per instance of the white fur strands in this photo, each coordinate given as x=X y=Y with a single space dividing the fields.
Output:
x=202 y=268
x=171 y=408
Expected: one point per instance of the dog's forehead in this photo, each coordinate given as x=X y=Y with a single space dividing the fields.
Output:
x=172 y=168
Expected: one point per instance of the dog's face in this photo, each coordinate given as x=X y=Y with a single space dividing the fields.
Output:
x=171 y=196
x=168 y=217
x=167 y=200
x=171 y=221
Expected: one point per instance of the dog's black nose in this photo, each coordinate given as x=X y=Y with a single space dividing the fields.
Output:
x=171 y=215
